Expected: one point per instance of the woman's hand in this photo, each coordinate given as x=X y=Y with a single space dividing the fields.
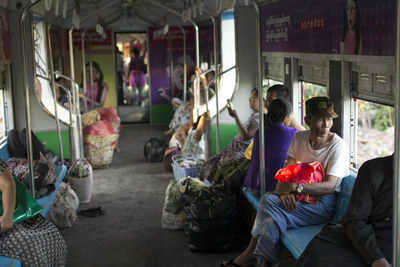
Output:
x=232 y=113
x=6 y=222
x=288 y=202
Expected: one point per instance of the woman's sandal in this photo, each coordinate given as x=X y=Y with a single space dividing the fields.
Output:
x=231 y=263
x=92 y=212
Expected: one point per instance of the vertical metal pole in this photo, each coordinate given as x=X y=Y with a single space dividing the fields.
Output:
x=91 y=71
x=260 y=100
x=53 y=86
x=84 y=71
x=27 y=100
x=216 y=77
x=171 y=64
x=184 y=65
x=196 y=32
x=71 y=52
x=396 y=176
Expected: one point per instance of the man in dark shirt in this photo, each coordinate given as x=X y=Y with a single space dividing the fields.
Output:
x=364 y=236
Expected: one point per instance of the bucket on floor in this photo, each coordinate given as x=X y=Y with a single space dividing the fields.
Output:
x=83 y=186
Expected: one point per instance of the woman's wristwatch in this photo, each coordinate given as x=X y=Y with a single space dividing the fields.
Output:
x=299 y=189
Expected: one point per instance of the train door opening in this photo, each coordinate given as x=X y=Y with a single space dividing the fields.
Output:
x=132 y=79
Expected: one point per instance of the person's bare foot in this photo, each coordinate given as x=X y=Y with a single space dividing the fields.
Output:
x=242 y=260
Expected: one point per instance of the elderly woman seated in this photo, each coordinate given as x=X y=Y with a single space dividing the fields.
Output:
x=34 y=241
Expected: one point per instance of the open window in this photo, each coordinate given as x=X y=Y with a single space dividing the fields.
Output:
x=374 y=131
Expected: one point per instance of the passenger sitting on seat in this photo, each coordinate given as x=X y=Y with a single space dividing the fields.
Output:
x=194 y=143
x=280 y=91
x=277 y=137
x=279 y=211
x=35 y=241
x=364 y=236
x=238 y=144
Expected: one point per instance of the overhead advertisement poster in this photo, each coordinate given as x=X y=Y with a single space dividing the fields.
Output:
x=167 y=75
x=364 y=27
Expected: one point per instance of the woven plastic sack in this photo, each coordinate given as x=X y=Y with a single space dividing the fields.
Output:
x=90 y=118
x=108 y=114
x=306 y=173
x=102 y=127
x=99 y=149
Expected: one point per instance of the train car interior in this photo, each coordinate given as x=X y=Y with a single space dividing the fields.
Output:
x=131 y=133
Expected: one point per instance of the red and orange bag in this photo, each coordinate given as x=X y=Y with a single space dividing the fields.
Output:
x=305 y=173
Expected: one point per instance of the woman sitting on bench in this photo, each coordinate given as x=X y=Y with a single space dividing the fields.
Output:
x=238 y=145
x=277 y=137
x=35 y=241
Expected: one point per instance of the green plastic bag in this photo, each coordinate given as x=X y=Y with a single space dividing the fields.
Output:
x=25 y=205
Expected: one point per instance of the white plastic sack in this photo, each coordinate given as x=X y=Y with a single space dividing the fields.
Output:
x=173 y=217
x=63 y=211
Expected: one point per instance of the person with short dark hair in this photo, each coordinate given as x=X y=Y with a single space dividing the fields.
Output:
x=364 y=236
x=277 y=137
x=279 y=211
x=281 y=91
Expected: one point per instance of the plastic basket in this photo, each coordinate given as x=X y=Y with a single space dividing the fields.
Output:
x=181 y=172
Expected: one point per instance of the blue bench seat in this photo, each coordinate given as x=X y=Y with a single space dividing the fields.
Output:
x=296 y=240
x=45 y=201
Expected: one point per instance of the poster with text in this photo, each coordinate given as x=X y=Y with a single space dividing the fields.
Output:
x=364 y=27
x=161 y=46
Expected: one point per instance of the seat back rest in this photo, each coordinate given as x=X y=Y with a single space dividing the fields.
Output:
x=4 y=154
x=342 y=201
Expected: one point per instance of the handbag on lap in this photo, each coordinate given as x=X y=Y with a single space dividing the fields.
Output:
x=25 y=205
x=306 y=172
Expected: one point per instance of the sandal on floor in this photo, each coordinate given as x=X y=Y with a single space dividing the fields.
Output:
x=230 y=263
x=92 y=212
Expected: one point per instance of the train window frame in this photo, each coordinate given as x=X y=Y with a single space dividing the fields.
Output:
x=301 y=107
x=41 y=72
x=355 y=146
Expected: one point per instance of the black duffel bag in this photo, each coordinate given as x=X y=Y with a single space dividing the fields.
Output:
x=154 y=150
x=212 y=221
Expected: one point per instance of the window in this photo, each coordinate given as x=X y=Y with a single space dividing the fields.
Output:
x=269 y=82
x=374 y=131
x=309 y=90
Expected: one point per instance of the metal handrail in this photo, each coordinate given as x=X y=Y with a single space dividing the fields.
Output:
x=396 y=174
x=216 y=75
x=260 y=101
x=191 y=21
x=27 y=103
x=184 y=64
x=76 y=106
x=84 y=70
x=53 y=86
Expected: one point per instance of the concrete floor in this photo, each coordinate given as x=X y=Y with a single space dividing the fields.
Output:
x=132 y=193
